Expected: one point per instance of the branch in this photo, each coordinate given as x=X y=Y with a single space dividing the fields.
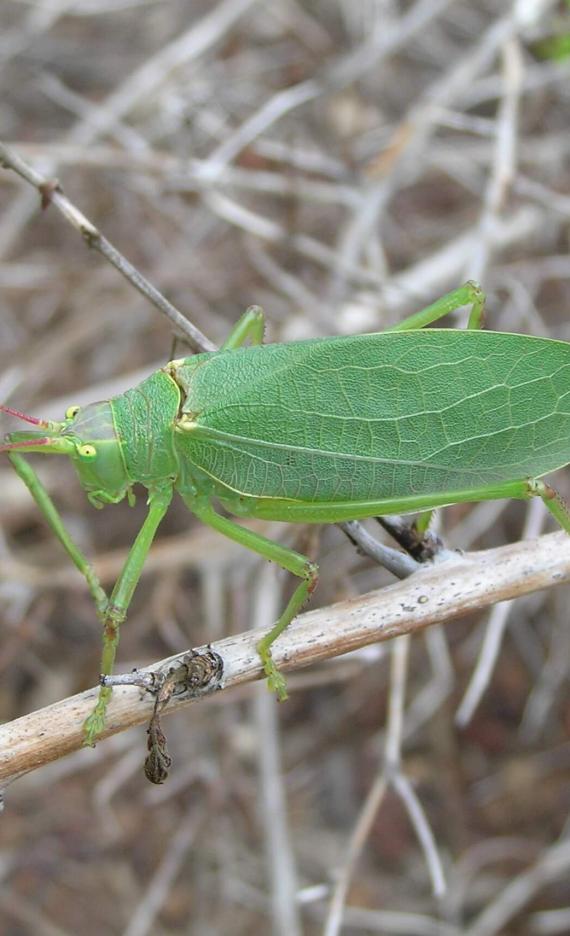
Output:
x=434 y=594
x=51 y=193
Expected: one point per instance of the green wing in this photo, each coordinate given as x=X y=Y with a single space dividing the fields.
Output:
x=378 y=416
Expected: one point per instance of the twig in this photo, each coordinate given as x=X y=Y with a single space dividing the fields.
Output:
x=550 y=922
x=435 y=594
x=139 y=86
x=553 y=863
x=52 y=193
x=366 y=817
x=156 y=892
x=492 y=642
x=541 y=703
x=396 y=562
x=495 y=629
x=352 y=67
x=428 y=699
x=504 y=158
x=360 y=919
x=423 y=831
x=146 y=80
x=280 y=858
x=377 y=792
x=391 y=774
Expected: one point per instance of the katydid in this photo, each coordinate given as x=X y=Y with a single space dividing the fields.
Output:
x=315 y=431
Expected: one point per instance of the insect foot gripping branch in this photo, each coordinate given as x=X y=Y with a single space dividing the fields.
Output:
x=314 y=431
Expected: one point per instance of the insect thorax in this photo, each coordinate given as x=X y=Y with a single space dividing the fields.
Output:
x=145 y=418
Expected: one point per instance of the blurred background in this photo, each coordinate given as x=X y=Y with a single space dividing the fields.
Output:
x=341 y=164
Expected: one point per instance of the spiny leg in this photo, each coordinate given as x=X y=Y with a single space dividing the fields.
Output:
x=119 y=602
x=468 y=294
x=53 y=518
x=288 y=559
x=251 y=325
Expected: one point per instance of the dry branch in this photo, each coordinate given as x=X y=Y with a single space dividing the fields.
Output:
x=437 y=593
x=51 y=193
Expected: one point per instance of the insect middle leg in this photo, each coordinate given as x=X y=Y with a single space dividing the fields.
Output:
x=288 y=559
x=251 y=325
x=468 y=294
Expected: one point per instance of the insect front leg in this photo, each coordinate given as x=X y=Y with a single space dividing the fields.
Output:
x=553 y=501
x=119 y=602
x=251 y=325
x=288 y=559
x=468 y=294
x=53 y=518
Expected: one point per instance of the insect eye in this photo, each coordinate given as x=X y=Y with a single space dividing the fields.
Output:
x=87 y=451
x=71 y=412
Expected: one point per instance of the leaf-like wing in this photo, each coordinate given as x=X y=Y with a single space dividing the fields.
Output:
x=380 y=416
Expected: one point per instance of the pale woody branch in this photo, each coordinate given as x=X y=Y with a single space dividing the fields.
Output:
x=434 y=594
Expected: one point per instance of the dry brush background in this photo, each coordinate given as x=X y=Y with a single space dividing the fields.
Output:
x=340 y=163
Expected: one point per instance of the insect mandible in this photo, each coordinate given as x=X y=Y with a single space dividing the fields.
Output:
x=315 y=431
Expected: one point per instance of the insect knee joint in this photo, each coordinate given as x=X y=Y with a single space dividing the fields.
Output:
x=539 y=489
x=114 y=616
x=311 y=572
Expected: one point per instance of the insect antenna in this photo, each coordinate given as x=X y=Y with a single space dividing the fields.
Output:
x=29 y=419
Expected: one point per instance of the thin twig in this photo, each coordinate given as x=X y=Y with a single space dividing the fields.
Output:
x=405 y=791
x=273 y=804
x=391 y=774
x=366 y=817
x=157 y=890
x=553 y=864
x=52 y=193
x=146 y=80
x=429 y=698
x=396 y=562
x=492 y=642
x=377 y=792
x=504 y=158
x=352 y=67
x=549 y=687
x=494 y=632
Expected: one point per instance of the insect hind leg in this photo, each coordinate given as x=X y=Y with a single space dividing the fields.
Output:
x=288 y=559
x=275 y=679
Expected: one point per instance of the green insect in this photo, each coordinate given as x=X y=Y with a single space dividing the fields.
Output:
x=314 y=431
